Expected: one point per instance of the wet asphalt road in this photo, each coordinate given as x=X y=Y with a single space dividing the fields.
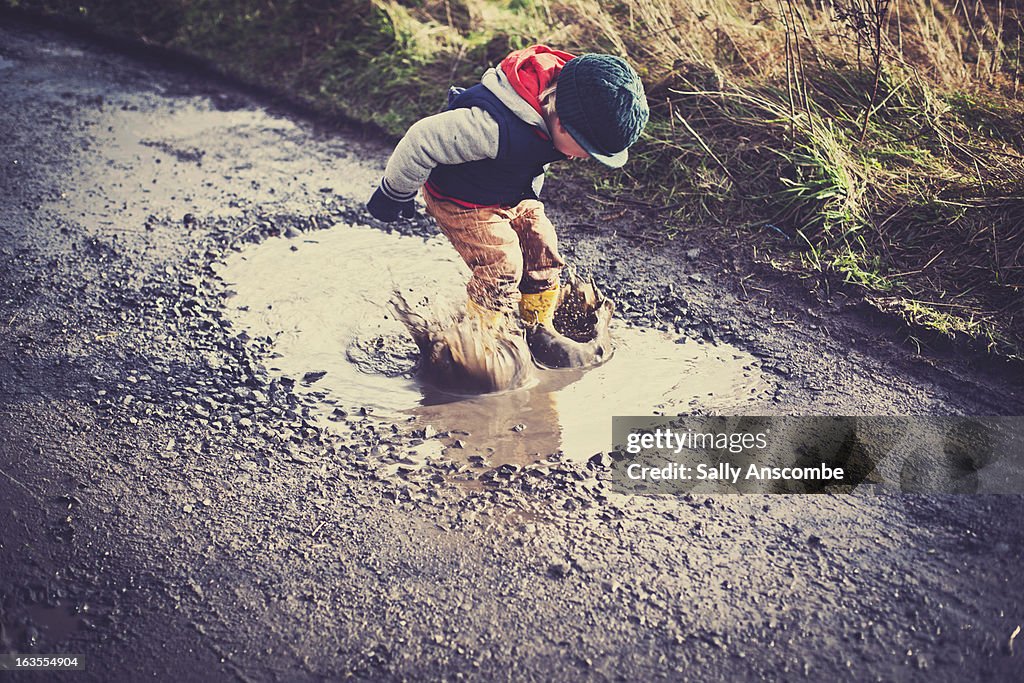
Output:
x=170 y=509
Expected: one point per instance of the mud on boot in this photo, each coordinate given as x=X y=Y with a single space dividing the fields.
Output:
x=579 y=336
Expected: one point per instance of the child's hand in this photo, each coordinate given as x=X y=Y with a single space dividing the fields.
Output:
x=384 y=208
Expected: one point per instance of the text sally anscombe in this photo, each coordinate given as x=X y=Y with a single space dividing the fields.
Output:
x=730 y=442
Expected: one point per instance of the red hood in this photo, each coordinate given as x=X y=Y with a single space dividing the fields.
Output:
x=533 y=69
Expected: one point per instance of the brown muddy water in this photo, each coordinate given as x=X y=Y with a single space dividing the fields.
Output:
x=322 y=299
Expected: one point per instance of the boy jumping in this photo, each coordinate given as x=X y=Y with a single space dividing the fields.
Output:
x=481 y=164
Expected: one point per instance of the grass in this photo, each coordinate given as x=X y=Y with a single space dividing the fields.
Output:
x=952 y=324
x=888 y=148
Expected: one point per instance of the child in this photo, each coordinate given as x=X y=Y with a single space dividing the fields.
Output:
x=481 y=164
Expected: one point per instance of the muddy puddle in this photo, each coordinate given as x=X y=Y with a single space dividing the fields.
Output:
x=321 y=299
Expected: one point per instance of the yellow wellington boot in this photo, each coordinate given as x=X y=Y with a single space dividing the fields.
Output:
x=539 y=308
x=484 y=317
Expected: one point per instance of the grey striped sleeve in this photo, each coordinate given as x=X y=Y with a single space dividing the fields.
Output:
x=451 y=137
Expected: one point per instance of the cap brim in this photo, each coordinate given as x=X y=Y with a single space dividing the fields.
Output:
x=613 y=161
x=617 y=160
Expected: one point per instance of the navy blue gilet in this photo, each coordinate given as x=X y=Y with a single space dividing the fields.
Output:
x=507 y=179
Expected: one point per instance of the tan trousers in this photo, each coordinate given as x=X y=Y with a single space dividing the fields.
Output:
x=511 y=250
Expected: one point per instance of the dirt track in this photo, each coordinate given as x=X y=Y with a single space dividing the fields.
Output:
x=171 y=509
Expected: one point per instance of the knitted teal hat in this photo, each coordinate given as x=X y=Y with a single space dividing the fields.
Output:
x=600 y=101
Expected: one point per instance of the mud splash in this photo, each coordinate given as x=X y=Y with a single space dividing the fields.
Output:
x=469 y=356
x=322 y=303
x=465 y=356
